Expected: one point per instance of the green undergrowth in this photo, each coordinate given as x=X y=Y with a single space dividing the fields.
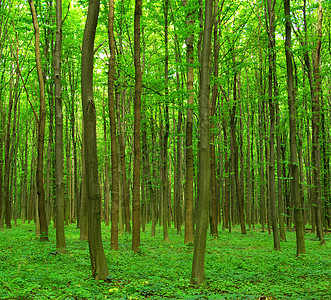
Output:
x=237 y=267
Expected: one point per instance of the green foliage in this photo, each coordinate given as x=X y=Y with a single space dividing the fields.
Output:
x=237 y=267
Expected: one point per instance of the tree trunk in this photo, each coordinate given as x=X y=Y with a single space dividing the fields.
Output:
x=316 y=153
x=126 y=195
x=97 y=255
x=248 y=166
x=6 y=196
x=189 y=225
x=106 y=170
x=272 y=93
x=2 y=134
x=112 y=118
x=242 y=177
x=72 y=82
x=41 y=131
x=198 y=264
x=295 y=184
x=136 y=130
x=165 y=183
x=213 y=206
x=60 y=236
x=235 y=156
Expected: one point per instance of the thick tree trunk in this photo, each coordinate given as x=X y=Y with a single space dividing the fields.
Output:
x=60 y=236
x=137 y=135
x=198 y=264
x=41 y=131
x=97 y=255
x=295 y=184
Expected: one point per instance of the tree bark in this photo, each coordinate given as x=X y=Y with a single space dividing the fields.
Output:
x=97 y=255
x=137 y=135
x=60 y=236
x=272 y=93
x=189 y=225
x=112 y=118
x=295 y=184
x=165 y=183
x=316 y=152
x=213 y=206
x=198 y=264
x=6 y=196
x=41 y=131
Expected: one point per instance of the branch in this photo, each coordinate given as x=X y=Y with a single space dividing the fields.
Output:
x=66 y=14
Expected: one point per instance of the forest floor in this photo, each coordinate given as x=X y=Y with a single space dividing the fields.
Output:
x=237 y=267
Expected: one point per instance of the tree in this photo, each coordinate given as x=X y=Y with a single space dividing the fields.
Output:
x=41 y=130
x=272 y=93
x=316 y=155
x=295 y=185
x=60 y=237
x=111 y=107
x=97 y=255
x=165 y=183
x=137 y=135
x=189 y=225
x=198 y=264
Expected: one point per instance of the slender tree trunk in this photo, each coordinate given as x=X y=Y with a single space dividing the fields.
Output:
x=83 y=207
x=198 y=264
x=316 y=153
x=74 y=143
x=126 y=195
x=213 y=206
x=2 y=134
x=60 y=236
x=235 y=155
x=226 y=176
x=6 y=196
x=106 y=170
x=165 y=183
x=261 y=162
x=189 y=225
x=248 y=165
x=137 y=136
x=178 y=176
x=41 y=131
x=112 y=118
x=280 y=181
x=242 y=177
x=272 y=93
x=295 y=184
x=97 y=255
x=154 y=166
